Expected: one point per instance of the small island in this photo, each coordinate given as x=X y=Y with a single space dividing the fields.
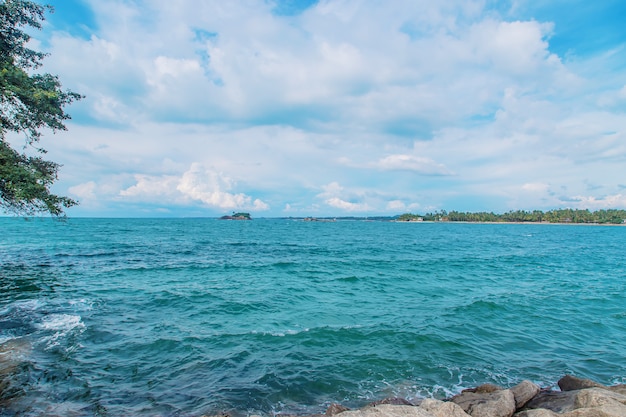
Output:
x=237 y=216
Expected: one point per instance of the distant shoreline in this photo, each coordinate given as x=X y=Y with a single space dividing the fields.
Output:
x=388 y=219
x=560 y=216
x=395 y=220
x=544 y=223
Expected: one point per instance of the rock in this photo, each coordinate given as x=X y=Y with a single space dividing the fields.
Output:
x=539 y=412
x=500 y=403
x=12 y=354
x=443 y=408
x=620 y=389
x=392 y=401
x=571 y=403
x=524 y=392
x=483 y=389
x=557 y=401
x=604 y=411
x=598 y=397
x=571 y=383
x=388 y=410
x=335 y=408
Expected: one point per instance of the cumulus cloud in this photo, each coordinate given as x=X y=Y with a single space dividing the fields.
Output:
x=84 y=191
x=152 y=187
x=197 y=184
x=604 y=202
x=338 y=203
x=211 y=187
x=242 y=61
x=518 y=48
x=334 y=195
x=537 y=187
x=420 y=165
x=399 y=206
x=474 y=98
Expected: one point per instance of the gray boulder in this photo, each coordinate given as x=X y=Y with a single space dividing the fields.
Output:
x=443 y=408
x=589 y=402
x=498 y=403
x=392 y=401
x=598 y=397
x=335 y=408
x=388 y=410
x=539 y=412
x=557 y=401
x=604 y=411
x=483 y=389
x=524 y=392
x=572 y=383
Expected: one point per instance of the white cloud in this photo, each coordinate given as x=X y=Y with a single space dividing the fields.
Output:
x=338 y=203
x=364 y=94
x=517 y=48
x=334 y=195
x=152 y=187
x=536 y=187
x=211 y=187
x=167 y=74
x=257 y=63
x=196 y=184
x=84 y=191
x=396 y=205
x=596 y=203
x=412 y=163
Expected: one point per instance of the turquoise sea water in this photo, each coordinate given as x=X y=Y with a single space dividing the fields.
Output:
x=180 y=317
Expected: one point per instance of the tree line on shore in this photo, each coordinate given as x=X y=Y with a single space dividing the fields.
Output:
x=609 y=216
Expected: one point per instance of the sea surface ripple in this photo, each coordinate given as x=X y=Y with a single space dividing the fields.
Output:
x=182 y=317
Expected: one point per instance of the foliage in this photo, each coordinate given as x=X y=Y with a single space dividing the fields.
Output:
x=610 y=216
x=29 y=102
x=244 y=215
x=237 y=216
x=409 y=217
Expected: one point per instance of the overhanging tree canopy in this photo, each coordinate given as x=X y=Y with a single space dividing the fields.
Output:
x=29 y=103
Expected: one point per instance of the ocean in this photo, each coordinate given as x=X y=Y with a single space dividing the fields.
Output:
x=184 y=317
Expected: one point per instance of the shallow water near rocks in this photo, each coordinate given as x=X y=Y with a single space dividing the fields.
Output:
x=180 y=317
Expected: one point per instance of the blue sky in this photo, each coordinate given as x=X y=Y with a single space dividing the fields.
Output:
x=333 y=107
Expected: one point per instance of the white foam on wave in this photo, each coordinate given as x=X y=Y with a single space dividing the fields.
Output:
x=26 y=305
x=83 y=304
x=289 y=332
x=61 y=322
x=62 y=325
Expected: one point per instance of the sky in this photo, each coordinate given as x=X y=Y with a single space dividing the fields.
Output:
x=338 y=108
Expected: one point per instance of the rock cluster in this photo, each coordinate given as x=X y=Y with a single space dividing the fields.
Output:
x=576 y=398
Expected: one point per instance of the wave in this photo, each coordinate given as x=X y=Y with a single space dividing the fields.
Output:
x=148 y=317
x=57 y=329
x=61 y=322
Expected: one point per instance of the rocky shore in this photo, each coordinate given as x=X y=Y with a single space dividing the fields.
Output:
x=576 y=397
